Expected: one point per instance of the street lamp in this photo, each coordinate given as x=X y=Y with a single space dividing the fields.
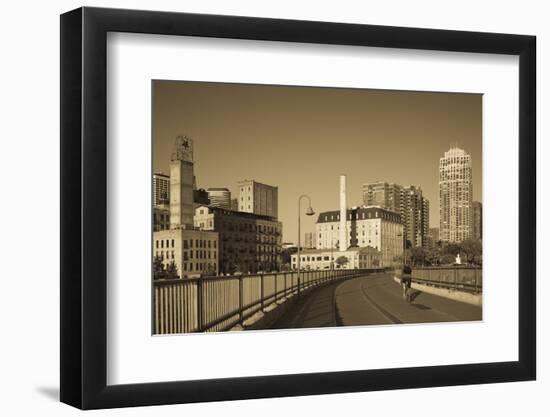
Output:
x=309 y=212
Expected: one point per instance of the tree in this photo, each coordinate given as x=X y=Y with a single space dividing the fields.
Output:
x=418 y=256
x=432 y=256
x=210 y=272
x=286 y=255
x=158 y=268
x=451 y=249
x=172 y=270
x=341 y=261
x=231 y=267
x=471 y=250
x=447 y=259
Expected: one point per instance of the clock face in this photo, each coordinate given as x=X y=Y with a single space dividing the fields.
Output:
x=183 y=149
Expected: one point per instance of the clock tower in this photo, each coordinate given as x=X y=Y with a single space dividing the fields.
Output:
x=181 y=184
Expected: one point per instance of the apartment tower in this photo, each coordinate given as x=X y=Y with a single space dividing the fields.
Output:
x=455 y=196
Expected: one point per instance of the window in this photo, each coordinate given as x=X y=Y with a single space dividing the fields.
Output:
x=162 y=243
x=157 y=242
x=173 y=243
x=185 y=244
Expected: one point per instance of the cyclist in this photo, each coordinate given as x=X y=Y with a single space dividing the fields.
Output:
x=406 y=280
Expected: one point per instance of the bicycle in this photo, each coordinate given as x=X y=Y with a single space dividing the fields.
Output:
x=406 y=286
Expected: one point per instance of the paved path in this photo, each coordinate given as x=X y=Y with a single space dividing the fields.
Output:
x=372 y=299
x=315 y=309
x=378 y=299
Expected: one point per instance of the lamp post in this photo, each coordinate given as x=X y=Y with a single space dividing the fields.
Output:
x=309 y=212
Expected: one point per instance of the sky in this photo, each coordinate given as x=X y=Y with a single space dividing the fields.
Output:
x=302 y=139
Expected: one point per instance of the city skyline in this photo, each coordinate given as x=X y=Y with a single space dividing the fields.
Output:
x=300 y=139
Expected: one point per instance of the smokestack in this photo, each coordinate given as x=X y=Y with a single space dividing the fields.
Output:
x=343 y=214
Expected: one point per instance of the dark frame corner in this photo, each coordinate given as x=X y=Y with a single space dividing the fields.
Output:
x=83 y=207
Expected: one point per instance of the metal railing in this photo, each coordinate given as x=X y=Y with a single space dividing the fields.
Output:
x=463 y=278
x=220 y=303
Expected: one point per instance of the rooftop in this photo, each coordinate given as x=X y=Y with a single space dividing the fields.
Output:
x=228 y=212
x=356 y=213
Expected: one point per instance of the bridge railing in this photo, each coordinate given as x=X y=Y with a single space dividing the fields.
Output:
x=456 y=277
x=220 y=303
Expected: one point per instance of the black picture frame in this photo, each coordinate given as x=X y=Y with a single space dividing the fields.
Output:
x=84 y=207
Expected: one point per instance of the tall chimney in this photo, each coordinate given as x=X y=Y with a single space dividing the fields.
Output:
x=343 y=214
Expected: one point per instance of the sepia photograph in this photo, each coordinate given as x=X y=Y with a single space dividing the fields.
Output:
x=292 y=207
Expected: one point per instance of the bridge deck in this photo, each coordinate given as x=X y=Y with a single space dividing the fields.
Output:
x=372 y=300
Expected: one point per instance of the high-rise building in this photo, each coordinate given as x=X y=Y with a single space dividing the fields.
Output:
x=433 y=237
x=219 y=197
x=161 y=189
x=477 y=228
x=258 y=198
x=235 y=204
x=434 y=233
x=455 y=196
x=408 y=201
x=383 y=194
x=425 y=221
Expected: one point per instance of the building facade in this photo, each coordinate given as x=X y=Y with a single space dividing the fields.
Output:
x=477 y=224
x=161 y=217
x=161 y=189
x=383 y=194
x=455 y=196
x=415 y=215
x=434 y=233
x=376 y=227
x=258 y=198
x=219 y=197
x=194 y=252
x=309 y=240
x=408 y=201
x=249 y=243
x=357 y=258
